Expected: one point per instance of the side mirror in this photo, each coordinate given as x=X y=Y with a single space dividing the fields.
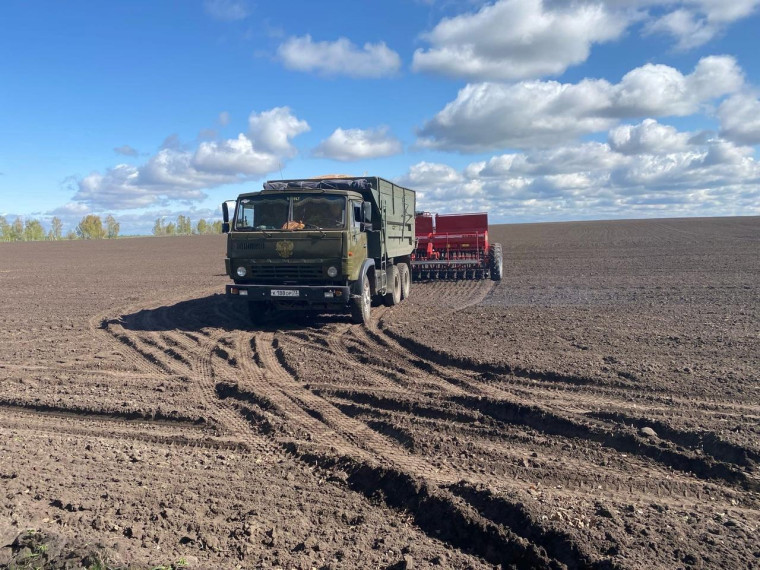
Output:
x=226 y=210
x=366 y=212
x=226 y=215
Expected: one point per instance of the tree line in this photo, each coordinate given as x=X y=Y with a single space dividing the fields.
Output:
x=184 y=227
x=93 y=227
x=90 y=227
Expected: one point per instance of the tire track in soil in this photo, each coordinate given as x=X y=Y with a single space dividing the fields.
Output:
x=504 y=446
x=173 y=354
x=576 y=424
x=255 y=393
x=202 y=351
x=471 y=380
x=92 y=425
x=135 y=424
x=418 y=486
x=491 y=399
x=372 y=465
x=311 y=413
x=707 y=441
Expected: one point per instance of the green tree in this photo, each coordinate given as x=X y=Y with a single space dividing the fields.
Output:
x=56 y=229
x=16 y=232
x=184 y=225
x=91 y=227
x=112 y=227
x=202 y=227
x=158 y=227
x=71 y=235
x=216 y=227
x=170 y=229
x=33 y=231
x=5 y=229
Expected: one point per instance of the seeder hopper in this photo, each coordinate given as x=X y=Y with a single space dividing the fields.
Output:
x=454 y=246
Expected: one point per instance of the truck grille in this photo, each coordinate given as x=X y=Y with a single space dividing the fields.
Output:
x=286 y=272
x=248 y=244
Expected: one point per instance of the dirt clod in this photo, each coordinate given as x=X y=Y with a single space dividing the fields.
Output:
x=646 y=431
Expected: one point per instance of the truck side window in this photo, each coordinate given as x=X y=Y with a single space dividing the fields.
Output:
x=356 y=219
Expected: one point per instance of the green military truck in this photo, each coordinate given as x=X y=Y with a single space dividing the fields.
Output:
x=321 y=245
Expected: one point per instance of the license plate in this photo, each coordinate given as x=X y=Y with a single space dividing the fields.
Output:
x=285 y=293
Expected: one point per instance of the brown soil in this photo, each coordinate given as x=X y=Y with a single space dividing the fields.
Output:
x=598 y=408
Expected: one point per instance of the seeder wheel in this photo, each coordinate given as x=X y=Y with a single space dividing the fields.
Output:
x=495 y=261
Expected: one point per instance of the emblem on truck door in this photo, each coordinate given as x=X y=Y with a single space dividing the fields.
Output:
x=284 y=248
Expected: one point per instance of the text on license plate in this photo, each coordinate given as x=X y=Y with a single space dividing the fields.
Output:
x=285 y=293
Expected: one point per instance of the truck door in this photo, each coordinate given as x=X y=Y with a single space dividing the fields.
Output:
x=357 y=239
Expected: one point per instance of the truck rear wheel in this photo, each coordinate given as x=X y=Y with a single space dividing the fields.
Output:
x=393 y=293
x=406 y=280
x=495 y=261
x=361 y=305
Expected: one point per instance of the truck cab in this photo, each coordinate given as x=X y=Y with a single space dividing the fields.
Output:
x=320 y=245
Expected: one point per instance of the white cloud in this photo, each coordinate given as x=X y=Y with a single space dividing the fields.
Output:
x=175 y=173
x=740 y=119
x=125 y=150
x=693 y=23
x=557 y=161
x=273 y=129
x=435 y=183
x=340 y=57
x=649 y=137
x=717 y=166
x=724 y=11
x=233 y=155
x=516 y=39
x=662 y=90
x=358 y=144
x=167 y=176
x=429 y=174
x=646 y=169
x=542 y=113
x=690 y=30
x=71 y=210
x=227 y=10
x=524 y=39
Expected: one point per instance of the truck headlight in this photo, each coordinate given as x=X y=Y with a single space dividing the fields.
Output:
x=332 y=271
x=241 y=271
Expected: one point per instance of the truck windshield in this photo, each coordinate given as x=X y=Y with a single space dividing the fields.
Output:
x=294 y=212
x=265 y=213
x=325 y=212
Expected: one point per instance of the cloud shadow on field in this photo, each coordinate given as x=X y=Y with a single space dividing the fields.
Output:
x=219 y=312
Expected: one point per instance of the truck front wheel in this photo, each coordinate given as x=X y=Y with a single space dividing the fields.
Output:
x=362 y=304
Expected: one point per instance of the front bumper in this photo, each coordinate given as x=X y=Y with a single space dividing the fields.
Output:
x=307 y=294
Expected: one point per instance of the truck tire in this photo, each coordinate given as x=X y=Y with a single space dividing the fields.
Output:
x=393 y=293
x=406 y=280
x=495 y=261
x=361 y=305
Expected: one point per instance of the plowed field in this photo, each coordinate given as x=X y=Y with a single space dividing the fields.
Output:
x=598 y=408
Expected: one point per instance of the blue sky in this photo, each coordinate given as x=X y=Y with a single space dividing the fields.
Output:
x=533 y=110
